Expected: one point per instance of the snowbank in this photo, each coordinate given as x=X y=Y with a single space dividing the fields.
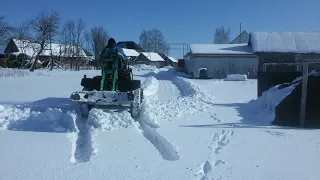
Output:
x=150 y=86
x=109 y=120
x=23 y=119
x=236 y=77
x=264 y=106
x=143 y=67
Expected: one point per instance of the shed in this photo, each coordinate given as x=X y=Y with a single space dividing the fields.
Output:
x=150 y=58
x=280 y=54
x=220 y=60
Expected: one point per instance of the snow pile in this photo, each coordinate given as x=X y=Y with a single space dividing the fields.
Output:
x=149 y=105
x=150 y=86
x=144 y=67
x=109 y=120
x=236 y=77
x=51 y=120
x=264 y=106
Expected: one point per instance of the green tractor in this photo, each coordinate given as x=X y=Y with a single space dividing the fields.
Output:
x=114 y=89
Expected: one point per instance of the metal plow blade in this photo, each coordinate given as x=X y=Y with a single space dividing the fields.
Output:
x=102 y=98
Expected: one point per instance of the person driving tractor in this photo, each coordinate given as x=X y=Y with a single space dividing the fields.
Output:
x=113 y=45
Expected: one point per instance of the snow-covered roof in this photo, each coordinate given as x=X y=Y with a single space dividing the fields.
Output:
x=130 y=52
x=172 y=59
x=220 y=49
x=30 y=48
x=153 y=56
x=288 y=42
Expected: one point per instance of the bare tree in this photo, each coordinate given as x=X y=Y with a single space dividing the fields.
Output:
x=4 y=30
x=99 y=39
x=222 y=36
x=22 y=33
x=72 y=35
x=45 y=27
x=154 y=41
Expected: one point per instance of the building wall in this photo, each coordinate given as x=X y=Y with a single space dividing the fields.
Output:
x=221 y=67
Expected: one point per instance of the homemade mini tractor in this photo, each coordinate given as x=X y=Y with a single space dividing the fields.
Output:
x=114 y=89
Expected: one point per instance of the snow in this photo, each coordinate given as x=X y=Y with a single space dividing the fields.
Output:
x=288 y=42
x=236 y=77
x=189 y=129
x=220 y=49
x=153 y=56
x=130 y=52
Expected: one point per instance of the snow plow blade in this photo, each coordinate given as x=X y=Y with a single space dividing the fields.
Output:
x=102 y=98
x=108 y=100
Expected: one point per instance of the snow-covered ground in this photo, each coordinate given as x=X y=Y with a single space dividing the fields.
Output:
x=189 y=129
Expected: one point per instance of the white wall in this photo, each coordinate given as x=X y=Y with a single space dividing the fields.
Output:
x=221 y=64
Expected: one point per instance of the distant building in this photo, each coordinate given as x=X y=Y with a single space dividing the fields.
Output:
x=241 y=38
x=150 y=58
x=219 y=60
x=131 y=54
x=285 y=47
x=280 y=55
x=16 y=47
x=130 y=45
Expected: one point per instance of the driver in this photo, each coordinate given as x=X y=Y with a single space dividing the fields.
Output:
x=113 y=45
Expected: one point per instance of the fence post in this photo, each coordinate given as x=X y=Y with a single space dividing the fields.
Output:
x=304 y=94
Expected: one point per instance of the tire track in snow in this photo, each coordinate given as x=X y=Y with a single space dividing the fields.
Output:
x=82 y=141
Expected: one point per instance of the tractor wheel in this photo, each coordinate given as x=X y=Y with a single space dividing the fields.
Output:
x=136 y=103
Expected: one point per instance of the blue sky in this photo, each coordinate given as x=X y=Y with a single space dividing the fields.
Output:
x=180 y=21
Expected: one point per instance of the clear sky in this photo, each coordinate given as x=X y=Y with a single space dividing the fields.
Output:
x=180 y=21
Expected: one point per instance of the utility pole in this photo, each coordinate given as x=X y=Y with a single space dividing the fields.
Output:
x=240 y=34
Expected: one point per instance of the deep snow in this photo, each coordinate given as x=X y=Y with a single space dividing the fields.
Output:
x=189 y=129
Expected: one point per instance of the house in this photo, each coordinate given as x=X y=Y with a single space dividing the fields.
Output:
x=170 y=61
x=130 y=45
x=150 y=58
x=219 y=60
x=16 y=47
x=131 y=54
x=280 y=55
x=173 y=61
x=241 y=38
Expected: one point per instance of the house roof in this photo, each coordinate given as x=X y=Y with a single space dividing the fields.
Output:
x=130 y=45
x=220 y=49
x=287 y=42
x=153 y=56
x=130 y=52
x=241 y=38
x=30 y=48
x=172 y=59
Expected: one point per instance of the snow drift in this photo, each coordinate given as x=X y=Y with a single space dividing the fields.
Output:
x=264 y=106
x=236 y=77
